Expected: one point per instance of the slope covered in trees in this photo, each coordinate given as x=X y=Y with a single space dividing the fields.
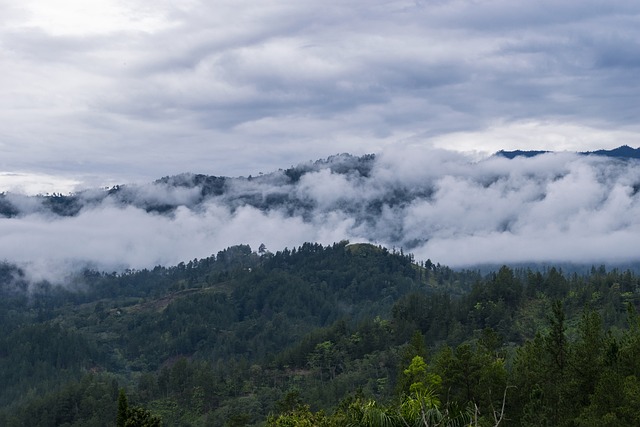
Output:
x=347 y=334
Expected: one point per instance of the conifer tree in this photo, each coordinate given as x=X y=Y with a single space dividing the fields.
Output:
x=123 y=409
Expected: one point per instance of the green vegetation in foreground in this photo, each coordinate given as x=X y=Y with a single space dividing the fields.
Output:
x=343 y=335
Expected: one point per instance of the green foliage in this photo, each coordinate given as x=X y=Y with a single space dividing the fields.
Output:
x=140 y=417
x=123 y=409
x=300 y=416
x=89 y=401
x=135 y=416
x=348 y=334
x=371 y=414
x=419 y=379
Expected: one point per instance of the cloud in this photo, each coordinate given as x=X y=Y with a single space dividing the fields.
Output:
x=118 y=238
x=326 y=189
x=32 y=184
x=127 y=91
x=437 y=204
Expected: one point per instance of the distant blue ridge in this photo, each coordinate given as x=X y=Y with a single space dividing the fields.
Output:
x=520 y=153
x=622 y=152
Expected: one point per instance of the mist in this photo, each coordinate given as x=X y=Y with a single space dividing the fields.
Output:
x=437 y=204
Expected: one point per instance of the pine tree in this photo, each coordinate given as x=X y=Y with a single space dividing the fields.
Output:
x=123 y=409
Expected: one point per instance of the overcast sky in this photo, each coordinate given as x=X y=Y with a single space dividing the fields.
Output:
x=107 y=91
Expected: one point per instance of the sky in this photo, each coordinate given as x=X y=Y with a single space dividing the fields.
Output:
x=108 y=92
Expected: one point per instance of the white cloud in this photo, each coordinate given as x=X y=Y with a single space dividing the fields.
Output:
x=326 y=189
x=437 y=204
x=79 y=18
x=32 y=184
x=537 y=135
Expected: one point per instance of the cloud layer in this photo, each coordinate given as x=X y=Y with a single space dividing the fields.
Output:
x=436 y=204
x=128 y=91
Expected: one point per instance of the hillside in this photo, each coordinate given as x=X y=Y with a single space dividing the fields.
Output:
x=230 y=339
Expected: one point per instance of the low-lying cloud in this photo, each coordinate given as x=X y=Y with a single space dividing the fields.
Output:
x=439 y=205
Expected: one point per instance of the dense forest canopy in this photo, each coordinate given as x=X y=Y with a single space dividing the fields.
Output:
x=323 y=335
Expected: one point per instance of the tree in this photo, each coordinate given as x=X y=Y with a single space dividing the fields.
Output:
x=123 y=409
x=587 y=357
x=325 y=357
x=556 y=342
x=140 y=417
x=550 y=373
x=134 y=416
x=419 y=379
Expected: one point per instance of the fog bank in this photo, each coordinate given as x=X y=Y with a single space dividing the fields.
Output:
x=439 y=205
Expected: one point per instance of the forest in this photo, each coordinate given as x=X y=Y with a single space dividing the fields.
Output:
x=338 y=335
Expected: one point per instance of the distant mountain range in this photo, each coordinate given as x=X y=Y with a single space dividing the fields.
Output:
x=437 y=204
x=296 y=191
x=275 y=190
x=622 y=152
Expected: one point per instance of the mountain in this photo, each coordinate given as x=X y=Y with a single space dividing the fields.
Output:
x=272 y=191
x=622 y=152
x=265 y=191
x=275 y=190
x=520 y=153
x=555 y=208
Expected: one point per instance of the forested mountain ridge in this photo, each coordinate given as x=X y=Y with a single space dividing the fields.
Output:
x=265 y=191
x=233 y=338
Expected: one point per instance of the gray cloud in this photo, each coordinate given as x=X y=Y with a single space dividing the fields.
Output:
x=437 y=204
x=132 y=92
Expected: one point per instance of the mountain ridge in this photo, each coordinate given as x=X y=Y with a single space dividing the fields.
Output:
x=437 y=204
x=205 y=186
x=622 y=152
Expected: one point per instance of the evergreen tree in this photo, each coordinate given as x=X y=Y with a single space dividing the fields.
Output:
x=123 y=409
